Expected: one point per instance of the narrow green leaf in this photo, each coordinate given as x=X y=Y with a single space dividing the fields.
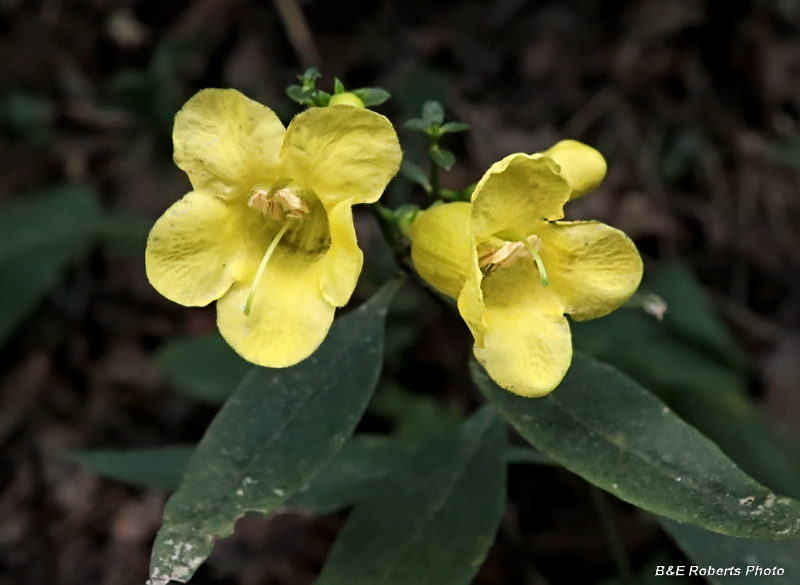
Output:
x=454 y=127
x=364 y=460
x=414 y=173
x=322 y=98
x=609 y=430
x=750 y=556
x=41 y=234
x=372 y=96
x=161 y=468
x=414 y=416
x=271 y=437
x=432 y=112
x=338 y=86
x=433 y=519
x=206 y=368
x=443 y=158
x=416 y=124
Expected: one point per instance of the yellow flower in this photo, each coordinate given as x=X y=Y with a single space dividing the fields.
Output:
x=517 y=271
x=268 y=229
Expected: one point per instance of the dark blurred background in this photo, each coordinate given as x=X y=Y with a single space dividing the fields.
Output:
x=695 y=105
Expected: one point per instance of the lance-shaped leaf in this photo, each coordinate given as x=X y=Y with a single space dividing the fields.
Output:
x=432 y=520
x=609 y=430
x=160 y=468
x=271 y=437
x=207 y=367
x=751 y=556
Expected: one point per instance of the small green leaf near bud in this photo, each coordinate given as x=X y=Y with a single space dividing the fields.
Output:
x=466 y=192
x=432 y=112
x=301 y=95
x=347 y=99
x=338 y=87
x=416 y=124
x=415 y=174
x=443 y=158
x=454 y=127
x=310 y=75
x=372 y=96
x=322 y=98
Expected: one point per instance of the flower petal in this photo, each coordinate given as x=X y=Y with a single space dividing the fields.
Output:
x=593 y=268
x=226 y=142
x=470 y=303
x=343 y=261
x=341 y=152
x=289 y=318
x=441 y=246
x=195 y=250
x=517 y=195
x=582 y=166
x=527 y=347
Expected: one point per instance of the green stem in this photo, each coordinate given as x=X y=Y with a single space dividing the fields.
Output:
x=262 y=266
x=436 y=190
x=613 y=538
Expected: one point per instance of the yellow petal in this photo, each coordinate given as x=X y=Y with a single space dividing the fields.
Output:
x=341 y=152
x=195 y=250
x=527 y=347
x=288 y=318
x=582 y=166
x=343 y=260
x=226 y=142
x=470 y=303
x=593 y=268
x=517 y=195
x=441 y=246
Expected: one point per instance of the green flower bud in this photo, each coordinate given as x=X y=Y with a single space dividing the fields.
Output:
x=346 y=98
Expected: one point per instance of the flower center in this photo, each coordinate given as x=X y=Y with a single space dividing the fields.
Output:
x=497 y=252
x=278 y=203
x=297 y=219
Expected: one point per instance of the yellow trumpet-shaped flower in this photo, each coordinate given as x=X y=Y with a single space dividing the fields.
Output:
x=516 y=270
x=268 y=231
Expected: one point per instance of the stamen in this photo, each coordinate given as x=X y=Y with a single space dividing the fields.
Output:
x=538 y=259
x=262 y=266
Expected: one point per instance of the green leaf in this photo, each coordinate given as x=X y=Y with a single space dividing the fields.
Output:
x=708 y=549
x=372 y=96
x=416 y=124
x=415 y=416
x=206 y=368
x=271 y=437
x=310 y=75
x=451 y=127
x=432 y=520
x=609 y=430
x=41 y=234
x=364 y=460
x=338 y=86
x=690 y=362
x=322 y=98
x=432 y=112
x=301 y=95
x=415 y=174
x=443 y=158
x=161 y=468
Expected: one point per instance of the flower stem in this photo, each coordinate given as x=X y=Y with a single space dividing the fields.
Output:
x=538 y=259
x=436 y=189
x=262 y=266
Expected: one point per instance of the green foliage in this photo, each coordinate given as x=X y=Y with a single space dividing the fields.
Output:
x=415 y=174
x=42 y=233
x=432 y=113
x=272 y=436
x=443 y=158
x=415 y=416
x=206 y=368
x=606 y=428
x=372 y=96
x=160 y=468
x=708 y=549
x=432 y=520
x=27 y=117
x=693 y=365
